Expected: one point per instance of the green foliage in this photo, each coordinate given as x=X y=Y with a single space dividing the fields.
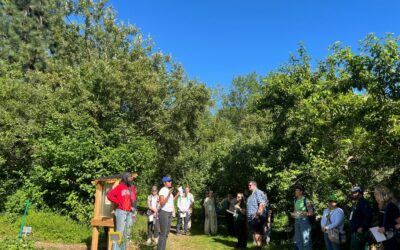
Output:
x=82 y=96
x=46 y=226
x=14 y=244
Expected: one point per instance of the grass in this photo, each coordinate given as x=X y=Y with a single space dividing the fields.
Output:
x=199 y=241
x=51 y=227
x=46 y=226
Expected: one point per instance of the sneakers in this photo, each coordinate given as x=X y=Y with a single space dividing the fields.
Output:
x=148 y=242
x=156 y=240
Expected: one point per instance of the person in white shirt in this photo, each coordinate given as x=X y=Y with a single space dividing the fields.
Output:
x=332 y=218
x=153 y=225
x=165 y=213
x=191 y=197
x=183 y=212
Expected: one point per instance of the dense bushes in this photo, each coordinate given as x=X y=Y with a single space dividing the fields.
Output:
x=83 y=97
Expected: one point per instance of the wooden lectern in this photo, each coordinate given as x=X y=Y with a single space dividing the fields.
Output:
x=103 y=208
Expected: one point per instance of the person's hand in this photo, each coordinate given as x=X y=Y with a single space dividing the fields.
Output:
x=381 y=230
x=397 y=226
x=359 y=230
x=323 y=229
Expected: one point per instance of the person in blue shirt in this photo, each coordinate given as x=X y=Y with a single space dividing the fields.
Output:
x=256 y=212
x=332 y=219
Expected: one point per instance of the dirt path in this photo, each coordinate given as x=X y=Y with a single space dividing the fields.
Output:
x=60 y=246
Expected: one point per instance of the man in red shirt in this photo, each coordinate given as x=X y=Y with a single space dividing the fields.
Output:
x=124 y=196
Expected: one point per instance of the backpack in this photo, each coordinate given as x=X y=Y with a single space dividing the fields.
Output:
x=312 y=218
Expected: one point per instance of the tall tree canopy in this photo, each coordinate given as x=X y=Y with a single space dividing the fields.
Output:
x=82 y=96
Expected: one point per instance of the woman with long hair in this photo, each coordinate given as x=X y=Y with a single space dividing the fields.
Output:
x=124 y=196
x=389 y=216
x=239 y=218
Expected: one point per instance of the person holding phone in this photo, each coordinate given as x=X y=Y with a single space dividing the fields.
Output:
x=166 y=198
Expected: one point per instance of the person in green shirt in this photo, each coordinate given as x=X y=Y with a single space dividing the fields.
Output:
x=303 y=209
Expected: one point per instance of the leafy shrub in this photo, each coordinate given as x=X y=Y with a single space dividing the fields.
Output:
x=14 y=244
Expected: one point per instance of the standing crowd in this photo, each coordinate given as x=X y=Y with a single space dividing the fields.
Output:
x=253 y=215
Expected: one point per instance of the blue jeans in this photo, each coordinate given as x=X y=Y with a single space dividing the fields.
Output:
x=302 y=234
x=329 y=244
x=124 y=226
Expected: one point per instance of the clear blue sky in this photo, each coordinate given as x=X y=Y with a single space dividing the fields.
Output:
x=216 y=40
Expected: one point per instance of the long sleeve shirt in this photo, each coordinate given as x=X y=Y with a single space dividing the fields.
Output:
x=333 y=218
x=123 y=196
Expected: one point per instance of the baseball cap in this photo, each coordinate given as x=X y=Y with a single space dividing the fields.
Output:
x=166 y=179
x=356 y=189
x=332 y=197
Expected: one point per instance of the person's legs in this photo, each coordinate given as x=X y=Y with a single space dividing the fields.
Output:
x=165 y=224
x=305 y=228
x=128 y=226
x=243 y=235
x=179 y=222
x=298 y=239
x=122 y=223
x=207 y=225
x=150 y=225
x=214 y=224
x=156 y=227
x=358 y=241
x=186 y=220
x=328 y=243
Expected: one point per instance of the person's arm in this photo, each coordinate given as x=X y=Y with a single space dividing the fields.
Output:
x=191 y=202
x=149 y=204
x=113 y=195
x=164 y=197
x=324 y=219
x=397 y=226
x=261 y=203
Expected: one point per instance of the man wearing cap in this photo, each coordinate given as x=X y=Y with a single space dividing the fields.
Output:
x=303 y=209
x=165 y=215
x=360 y=219
x=332 y=218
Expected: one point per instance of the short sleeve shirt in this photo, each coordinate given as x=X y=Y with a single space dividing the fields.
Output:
x=169 y=205
x=253 y=202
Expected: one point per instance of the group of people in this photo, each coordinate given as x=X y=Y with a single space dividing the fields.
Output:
x=360 y=220
x=253 y=215
x=241 y=215
x=161 y=209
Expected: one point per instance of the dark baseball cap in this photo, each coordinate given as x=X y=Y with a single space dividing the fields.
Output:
x=356 y=189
